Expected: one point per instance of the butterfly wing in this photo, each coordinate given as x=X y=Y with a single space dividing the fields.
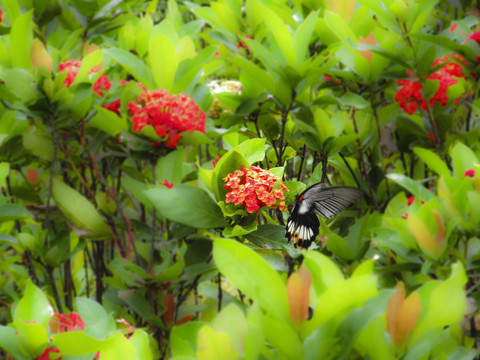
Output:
x=303 y=224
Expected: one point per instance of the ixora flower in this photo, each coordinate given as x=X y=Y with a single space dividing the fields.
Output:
x=73 y=66
x=254 y=188
x=168 y=114
x=410 y=96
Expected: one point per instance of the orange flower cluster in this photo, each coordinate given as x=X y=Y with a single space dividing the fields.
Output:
x=410 y=96
x=168 y=114
x=254 y=188
x=73 y=66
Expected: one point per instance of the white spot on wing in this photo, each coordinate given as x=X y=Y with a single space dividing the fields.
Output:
x=304 y=207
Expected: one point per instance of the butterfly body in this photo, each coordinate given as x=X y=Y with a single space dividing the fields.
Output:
x=303 y=224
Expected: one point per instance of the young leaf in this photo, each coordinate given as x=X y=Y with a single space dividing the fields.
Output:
x=253 y=276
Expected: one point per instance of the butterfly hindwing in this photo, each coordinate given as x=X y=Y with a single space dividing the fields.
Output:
x=303 y=224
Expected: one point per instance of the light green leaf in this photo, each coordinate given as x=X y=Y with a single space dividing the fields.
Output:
x=253 y=276
x=119 y=348
x=417 y=189
x=132 y=64
x=253 y=150
x=214 y=345
x=21 y=38
x=140 y=342
x=9 y=342
x=79 y=210
x=188 y=205
x=463 y=159
x=163 y=61
x=108 y=121
x=282 y=35
x=432 y=160
x=39 y=144
x=231 y=320
x=78 y=343
x=33 y=307
x=450 y=294
x=225 y=17
x=303 y=35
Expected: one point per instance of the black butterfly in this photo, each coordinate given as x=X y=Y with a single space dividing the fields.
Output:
x=303 y=224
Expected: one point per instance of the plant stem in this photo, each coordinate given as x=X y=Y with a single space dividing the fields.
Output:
x=281 y=140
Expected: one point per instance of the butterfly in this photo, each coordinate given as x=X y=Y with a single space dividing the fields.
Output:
x=303 y=224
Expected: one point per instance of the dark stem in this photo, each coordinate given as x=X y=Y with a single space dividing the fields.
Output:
x=51 y=279
x=350 y=169
x=302 y=161
x=220 y=294
x=46 y=223
x=363 y=165
x=281 y=141
x=154 y=217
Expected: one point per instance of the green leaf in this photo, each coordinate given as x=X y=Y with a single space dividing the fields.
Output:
x=283 y=337
x=303 y=35
x=79 y=210
x=225 y=17
x=132 y=64
x=88 y=62
x=253 y=150
x=268 y=236
x=355 y=100
x=9 y=342
x=449 y=294
x=34 y=306
x=359 y=319
x=188 y=205
x=325 y=273
x=76 y=343
x=414 y=187
x=463 y=159
x=10 y=212
x=163 y=66
x=170 y=167
x=214 y=345
x=432 y=160
x=32 y=338
x=194 y=138
x=108 y=121
x=119 y=348
x=281 y=34
x=20 y=83
x=231 y=320
x=183 y=339
x=39 y=144
x=140 y=342
x=339 y=299
x=97 y=322
x=253 y=276
x=21 y=38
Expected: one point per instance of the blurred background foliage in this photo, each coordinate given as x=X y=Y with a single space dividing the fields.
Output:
x=121 y=120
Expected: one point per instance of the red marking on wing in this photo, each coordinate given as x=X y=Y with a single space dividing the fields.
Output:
x=300 y=198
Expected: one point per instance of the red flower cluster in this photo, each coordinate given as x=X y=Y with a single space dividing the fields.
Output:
x=469 y=173
x=70 y=322
x=166 y=183
x=73 y=66
x=168 y=114
x=46 y=354
x=254 y=188
x=114 y=106
x=410 y=96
